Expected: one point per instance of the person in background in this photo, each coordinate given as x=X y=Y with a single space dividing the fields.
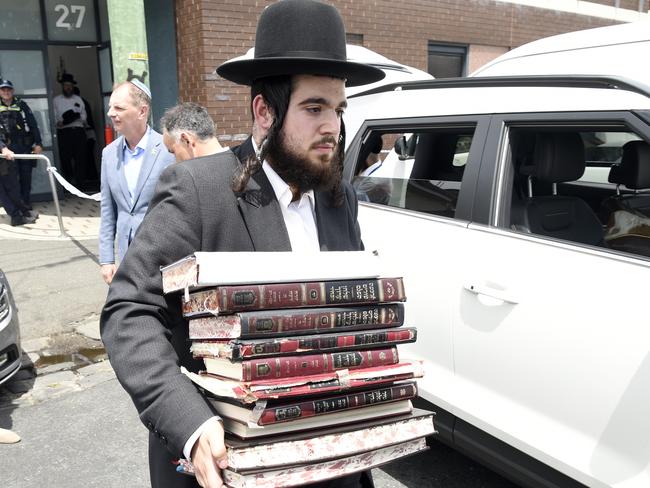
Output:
x=91 y=171
x=21 y=135
x=131 y=165
x=71 y=119
x=10 y=199
x=189 y=132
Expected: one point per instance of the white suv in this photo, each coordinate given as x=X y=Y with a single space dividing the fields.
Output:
x=526 y=279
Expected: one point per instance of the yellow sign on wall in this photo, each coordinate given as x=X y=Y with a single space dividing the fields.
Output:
x=139 y=56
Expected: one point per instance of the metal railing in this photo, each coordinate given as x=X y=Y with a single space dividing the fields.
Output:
x=55 y=197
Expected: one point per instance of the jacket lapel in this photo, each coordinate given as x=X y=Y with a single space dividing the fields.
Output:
x=262 y=215
x=150 y=156
x=121 y=176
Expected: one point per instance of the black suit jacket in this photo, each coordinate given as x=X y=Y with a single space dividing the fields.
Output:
x=244 y=150
x=193 y=209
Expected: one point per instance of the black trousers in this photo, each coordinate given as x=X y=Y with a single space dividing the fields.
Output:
x=10 y=190
x=163 y=472
x=73 y=154
x=25 y=168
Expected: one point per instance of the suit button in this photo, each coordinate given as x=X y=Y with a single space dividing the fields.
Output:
x=163 y=439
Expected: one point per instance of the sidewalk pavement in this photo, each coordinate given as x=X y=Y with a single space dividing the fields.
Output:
x=80 y=221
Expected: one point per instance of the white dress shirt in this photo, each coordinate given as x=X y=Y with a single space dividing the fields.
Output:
x=299 y=216
x=133 y=161
x=62 y=104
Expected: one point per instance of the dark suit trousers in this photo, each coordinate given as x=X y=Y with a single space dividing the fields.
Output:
x=72 y=147
x=162 y=471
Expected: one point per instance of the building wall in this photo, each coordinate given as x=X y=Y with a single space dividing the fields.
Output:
x=211 y=31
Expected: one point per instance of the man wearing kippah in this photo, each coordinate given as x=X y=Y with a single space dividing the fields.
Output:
x=289 y=196
x=130 y=168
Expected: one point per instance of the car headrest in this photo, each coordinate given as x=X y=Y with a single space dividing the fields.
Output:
x=434 y=158
x=634 y=168
x=558 y=157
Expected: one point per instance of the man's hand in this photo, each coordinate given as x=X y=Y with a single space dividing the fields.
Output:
x=7 y=153
x=37 y=149
x=108 y=271
x=209 y=455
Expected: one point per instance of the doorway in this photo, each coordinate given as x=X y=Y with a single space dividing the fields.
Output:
x=82 y=63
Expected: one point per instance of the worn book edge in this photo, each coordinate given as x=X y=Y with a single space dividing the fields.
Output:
x=247 y=392
x=225 y=268
x=307 y=473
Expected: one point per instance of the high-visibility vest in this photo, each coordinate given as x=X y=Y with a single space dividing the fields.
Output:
x=13 y=124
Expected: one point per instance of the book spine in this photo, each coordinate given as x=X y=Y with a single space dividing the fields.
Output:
x=345 y=402
x=291 y=345
x=230 y=299
x=263 y=323
x=290 y=366
x=313 y=320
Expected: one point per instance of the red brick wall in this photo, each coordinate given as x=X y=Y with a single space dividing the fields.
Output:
x=212 y=31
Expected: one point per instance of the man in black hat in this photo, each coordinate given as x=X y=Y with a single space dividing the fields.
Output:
x=70 y=115
x=288 y=197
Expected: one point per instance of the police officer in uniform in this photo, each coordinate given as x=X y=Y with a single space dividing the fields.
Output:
x=21 y=135
x=9 y=189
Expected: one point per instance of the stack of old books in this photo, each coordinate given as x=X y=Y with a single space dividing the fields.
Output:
x=301 y=362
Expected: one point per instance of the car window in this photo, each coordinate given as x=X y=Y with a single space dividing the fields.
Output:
x=420 y=170
x=553 y=195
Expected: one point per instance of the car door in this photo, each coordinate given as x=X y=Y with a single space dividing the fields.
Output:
x=550 y=337
x=415 y=209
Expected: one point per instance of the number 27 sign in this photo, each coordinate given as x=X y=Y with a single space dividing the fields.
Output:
x=69 y=16
x=71 y=20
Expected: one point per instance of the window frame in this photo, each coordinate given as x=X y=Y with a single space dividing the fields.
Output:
x=450 y=50
x=496 y=171
x=466 y=196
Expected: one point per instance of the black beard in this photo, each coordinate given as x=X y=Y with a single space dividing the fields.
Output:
x=296 y=170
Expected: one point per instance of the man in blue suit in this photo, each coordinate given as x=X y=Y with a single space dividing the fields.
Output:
x=130 y=168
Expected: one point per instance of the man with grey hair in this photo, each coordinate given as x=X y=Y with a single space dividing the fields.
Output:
x=130 y=168
x=189 y=132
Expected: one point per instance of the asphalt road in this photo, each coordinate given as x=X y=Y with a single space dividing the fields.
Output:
x=90 y=435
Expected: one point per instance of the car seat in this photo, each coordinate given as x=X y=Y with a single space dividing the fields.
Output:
x=557 y=157
x=432 y=169
x=633 y=172
x=628 y=226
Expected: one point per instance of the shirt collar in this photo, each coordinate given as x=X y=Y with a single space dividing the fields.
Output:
x=283 y=192
x=141 y=146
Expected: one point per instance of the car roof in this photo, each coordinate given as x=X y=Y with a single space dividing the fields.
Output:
x=617 y=50
x=394 y=71
x=475 y=96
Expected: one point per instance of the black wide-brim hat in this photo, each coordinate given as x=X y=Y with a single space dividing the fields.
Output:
x=299 y=37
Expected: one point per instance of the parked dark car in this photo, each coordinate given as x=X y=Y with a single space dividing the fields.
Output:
x=10 y=351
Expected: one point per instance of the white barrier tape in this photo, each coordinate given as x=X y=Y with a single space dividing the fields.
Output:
x=71 y=188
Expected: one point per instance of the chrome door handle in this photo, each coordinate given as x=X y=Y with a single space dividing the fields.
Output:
x=491 y=292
